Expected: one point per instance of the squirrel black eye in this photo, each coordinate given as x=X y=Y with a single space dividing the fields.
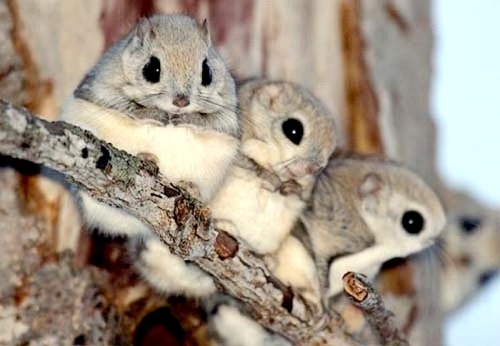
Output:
x=412 y=222
x=293 y=130
x=206 y=74
x=486 y=277
x=151 y=71
x=469 y=224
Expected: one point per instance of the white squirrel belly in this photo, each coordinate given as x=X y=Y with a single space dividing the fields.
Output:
x=190 y=154
x=260 y=217
x=184 y=152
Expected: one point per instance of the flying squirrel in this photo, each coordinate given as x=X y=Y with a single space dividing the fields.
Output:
x=469 y=249
x=287 y=138
x=164 y=93
x=363 y=212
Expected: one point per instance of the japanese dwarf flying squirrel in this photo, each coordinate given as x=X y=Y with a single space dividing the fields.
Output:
x=287 y=138
x=363 y=212
x=470 y=249
x=164 y=92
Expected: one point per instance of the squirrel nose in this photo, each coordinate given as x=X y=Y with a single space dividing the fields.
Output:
x=181 y=101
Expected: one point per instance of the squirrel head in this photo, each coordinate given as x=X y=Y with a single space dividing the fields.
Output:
x=169 y=63
x=400 y=209
x=469 y=247
x=293 y=126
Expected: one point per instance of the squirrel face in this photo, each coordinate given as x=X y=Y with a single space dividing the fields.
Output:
x=470 y=244
x=465 y=233
x=400 y=209
x=365 y=201
x=170 y=64
x=295 y=130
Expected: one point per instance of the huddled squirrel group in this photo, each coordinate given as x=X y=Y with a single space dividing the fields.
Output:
x=263 y=158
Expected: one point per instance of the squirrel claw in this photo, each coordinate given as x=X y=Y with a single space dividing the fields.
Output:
x=149 y=157
x=290 y=187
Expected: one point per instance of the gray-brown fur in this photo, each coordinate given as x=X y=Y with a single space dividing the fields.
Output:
x=334 y=217
x=259 y=99
x=181 y=44
x=287 y=97
x=164 y=73
x=260 y=172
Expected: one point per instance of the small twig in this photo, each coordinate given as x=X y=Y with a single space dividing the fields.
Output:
x=364 y=296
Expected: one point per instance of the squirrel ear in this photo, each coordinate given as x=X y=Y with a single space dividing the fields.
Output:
x=269 y=94
x=204 y=28
x=372 y=191
x=143 y=32
x=371 y=187
x=134 y=51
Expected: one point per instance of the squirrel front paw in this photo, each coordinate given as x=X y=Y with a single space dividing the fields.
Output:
x=290 y=187
x=191 y=188
x=149 y=157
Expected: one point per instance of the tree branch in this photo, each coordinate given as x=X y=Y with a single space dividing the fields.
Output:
x=366 y=298
x=121 y=180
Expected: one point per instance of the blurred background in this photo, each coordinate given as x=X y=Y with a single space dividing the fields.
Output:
x=465 y=108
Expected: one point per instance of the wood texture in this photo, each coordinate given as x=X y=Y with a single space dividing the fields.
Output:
x=388 y=67
x=60 y=41
x=12 y=75
x=35 y=307
x=397 y=50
